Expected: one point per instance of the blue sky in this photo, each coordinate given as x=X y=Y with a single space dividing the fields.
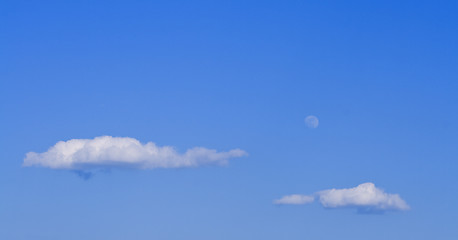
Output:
x=381 y=76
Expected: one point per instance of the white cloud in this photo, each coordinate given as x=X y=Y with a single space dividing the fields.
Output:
x=112 y=152
x=295 y=199
x=365 y=197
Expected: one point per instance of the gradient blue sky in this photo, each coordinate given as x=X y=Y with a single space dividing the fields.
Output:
x=381 y=76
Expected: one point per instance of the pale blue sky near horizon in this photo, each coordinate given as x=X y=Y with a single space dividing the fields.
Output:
x=381 y=77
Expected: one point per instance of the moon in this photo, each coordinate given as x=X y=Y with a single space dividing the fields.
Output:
x=311 y=121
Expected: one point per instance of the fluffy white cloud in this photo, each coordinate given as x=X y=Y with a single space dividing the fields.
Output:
x=365 y=197
x=295 y=199
x=111 y=152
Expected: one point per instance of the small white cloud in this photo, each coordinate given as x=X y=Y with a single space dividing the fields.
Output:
x=118 y=152
x=365 y=197
x=295 y=199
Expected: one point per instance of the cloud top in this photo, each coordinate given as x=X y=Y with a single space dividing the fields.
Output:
x=365 y=197
x=116 y=152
